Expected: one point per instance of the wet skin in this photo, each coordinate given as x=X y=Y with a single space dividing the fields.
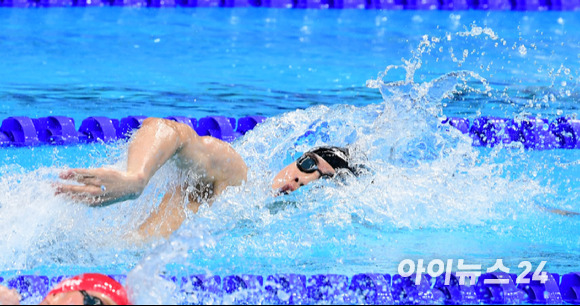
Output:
x=158 y=140
x=291 y=178
x=74 y=298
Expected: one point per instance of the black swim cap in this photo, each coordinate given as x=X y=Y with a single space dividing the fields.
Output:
x=335 y=156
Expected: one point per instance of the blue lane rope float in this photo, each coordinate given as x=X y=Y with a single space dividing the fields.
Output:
x=532 y=133
x=518 y=5
x=58 y=130
x=455 y=293
x=570 y=288
x=364 y=288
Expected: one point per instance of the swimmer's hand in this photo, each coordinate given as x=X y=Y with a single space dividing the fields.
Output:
x=100 y=186
x=9 y=296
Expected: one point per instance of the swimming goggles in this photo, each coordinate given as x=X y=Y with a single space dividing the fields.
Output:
x=307 y=163
x=90 y=300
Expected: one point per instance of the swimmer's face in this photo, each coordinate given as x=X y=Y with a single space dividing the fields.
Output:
x=291 y=178
x=75 y=298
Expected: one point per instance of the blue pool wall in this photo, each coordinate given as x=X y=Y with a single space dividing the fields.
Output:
x=519 y=5
x=364 y=288
x=532 y=133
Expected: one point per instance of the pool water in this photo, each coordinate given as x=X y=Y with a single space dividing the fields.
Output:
x=429 y=195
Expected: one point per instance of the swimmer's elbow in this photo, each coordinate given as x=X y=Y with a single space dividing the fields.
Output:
x=182 y=132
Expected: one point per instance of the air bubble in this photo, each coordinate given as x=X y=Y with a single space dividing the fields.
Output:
x=561 y=21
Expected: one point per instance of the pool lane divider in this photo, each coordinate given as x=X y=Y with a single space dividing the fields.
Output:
x=58 y=130
x=517 y=5
x=365 y=288
x=532 y=133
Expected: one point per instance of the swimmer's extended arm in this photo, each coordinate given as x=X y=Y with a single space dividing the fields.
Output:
x=154 y=144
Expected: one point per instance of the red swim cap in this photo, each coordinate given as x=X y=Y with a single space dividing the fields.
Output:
x=94 y=282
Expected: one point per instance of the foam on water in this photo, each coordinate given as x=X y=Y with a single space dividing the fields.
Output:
x=426 y=182
x=41 y=230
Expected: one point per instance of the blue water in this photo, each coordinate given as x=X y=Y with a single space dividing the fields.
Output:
x=431 y=195
x=105 y=61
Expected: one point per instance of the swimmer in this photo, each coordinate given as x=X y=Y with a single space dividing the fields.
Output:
x=86 y=289
x=215 y=162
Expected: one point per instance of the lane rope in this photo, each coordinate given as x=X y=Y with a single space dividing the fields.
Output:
x=532 y=133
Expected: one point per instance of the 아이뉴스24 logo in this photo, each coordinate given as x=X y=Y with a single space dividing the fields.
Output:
x=438 y=267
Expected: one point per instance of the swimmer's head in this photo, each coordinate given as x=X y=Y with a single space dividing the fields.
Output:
x=313 y=165
x=87 y=289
